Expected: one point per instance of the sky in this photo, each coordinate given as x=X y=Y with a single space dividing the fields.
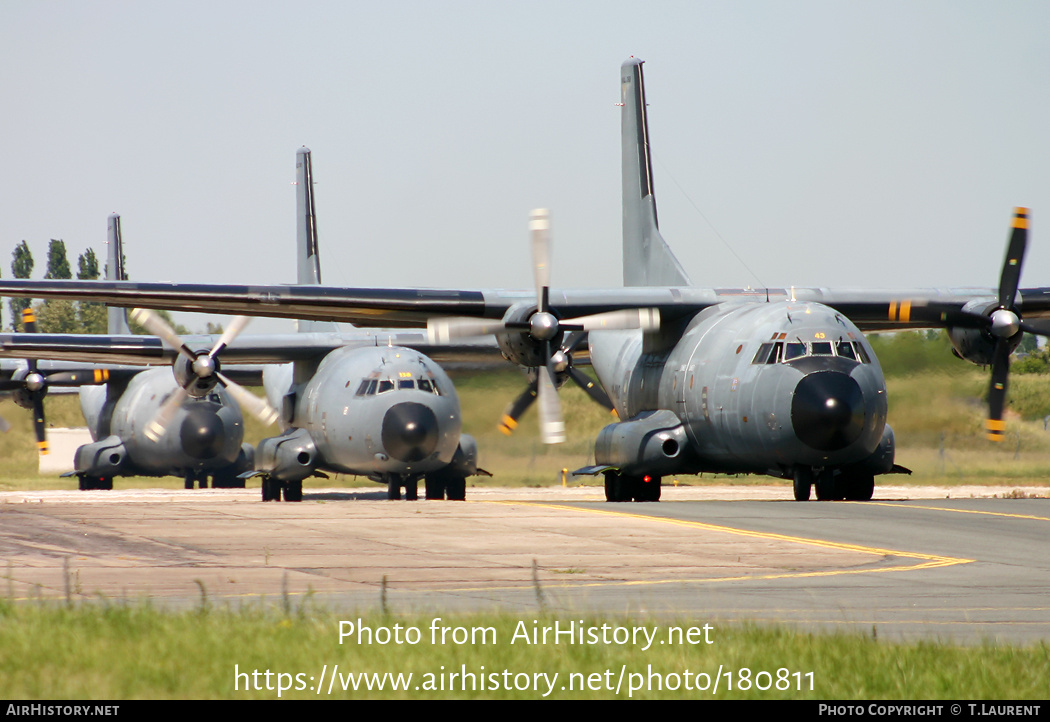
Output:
x=861 y=144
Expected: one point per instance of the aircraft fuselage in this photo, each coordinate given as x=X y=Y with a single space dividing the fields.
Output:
x=765 y=388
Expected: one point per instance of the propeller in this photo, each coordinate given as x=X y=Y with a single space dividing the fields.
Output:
x=1003 y=323
x=201 y=366
x=563 y=368
x=544 y=326
x=34 y=385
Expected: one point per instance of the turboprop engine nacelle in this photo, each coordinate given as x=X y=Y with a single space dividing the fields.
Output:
x=653 y=441
x=292 y=456
x=519 y=346
x=977 y=345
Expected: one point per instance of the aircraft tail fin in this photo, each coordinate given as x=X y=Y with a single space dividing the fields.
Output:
x=308 y=260
x=647 y=260
x=117 y=318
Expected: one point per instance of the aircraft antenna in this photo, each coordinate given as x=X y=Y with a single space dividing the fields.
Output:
x=709 y=223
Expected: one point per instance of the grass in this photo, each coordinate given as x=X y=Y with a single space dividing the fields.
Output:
x=112 y=651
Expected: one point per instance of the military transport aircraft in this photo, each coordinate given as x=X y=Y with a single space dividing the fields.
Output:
x=774 y=381
x=360 y=403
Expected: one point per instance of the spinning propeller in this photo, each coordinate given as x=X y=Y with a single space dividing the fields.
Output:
x=31 y=389
x=202 y=369
x=1003 y=324
x=544 y=326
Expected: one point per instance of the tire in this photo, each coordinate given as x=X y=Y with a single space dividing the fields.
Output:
x=412 y=490
x=648 y=490
x=271 y=489
x=434 y=486
x=457 y=488
x=803 y=484
x=293 y=490
x=393 y=489
x=858 y=487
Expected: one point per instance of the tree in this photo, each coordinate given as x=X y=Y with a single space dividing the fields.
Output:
x=91 y=317
x=21 y=267
x=57 y=315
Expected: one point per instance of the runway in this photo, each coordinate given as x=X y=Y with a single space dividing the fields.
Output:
x=966 y=569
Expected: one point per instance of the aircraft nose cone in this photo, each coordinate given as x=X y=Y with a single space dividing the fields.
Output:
x=827 y=411
x=410 y=431
x=202 y=433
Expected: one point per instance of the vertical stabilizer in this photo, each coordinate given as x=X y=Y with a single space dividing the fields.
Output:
x=647 y=261
x=117 y=318
x=308 y=262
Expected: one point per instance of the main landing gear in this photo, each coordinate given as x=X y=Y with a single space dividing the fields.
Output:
x=437 y=485
x=831 y=486
x=93 y=483
x=627 y=487
x=272 y=489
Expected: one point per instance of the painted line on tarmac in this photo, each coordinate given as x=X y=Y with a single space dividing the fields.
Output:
x=959 y=511
x=924 y=561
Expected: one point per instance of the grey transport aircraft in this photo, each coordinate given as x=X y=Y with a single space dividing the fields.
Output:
x=363 y=402
x=771 y=381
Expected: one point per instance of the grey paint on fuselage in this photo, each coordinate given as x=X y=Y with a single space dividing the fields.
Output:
x=347 y=427
x=737 y=413
x=204 y=437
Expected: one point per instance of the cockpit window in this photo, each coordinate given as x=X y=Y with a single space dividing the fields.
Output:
x=764 y=351
x=384 y=386
x=424 y=385
x=406 y=384
x=773 y=353
x=363 y=388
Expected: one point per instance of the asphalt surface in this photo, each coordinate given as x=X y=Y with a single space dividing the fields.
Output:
x=915 y=563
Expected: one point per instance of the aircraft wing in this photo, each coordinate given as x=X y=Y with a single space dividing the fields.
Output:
x=135 y=351
x=874 y=310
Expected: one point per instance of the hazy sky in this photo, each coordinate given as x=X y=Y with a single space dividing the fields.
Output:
x=829 y=143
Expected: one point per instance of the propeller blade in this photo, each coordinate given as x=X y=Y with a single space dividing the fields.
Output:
x=254 y=405
x=517 y=407
x=997 y=391
x=156 y=325
x=1011 y=275
x=441 y=331
x=232 y=331
x=552 y=427
x=647 y=319
x=591 y=387
x=38 y=423
x=539 y=229
x=156 y=427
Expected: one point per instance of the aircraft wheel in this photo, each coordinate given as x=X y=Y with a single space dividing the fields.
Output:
x=293 y=490
x=648 y=490
x=271 y=489
x=393 y=488
x=227 y=481
x=620 y=487
x=828 y=487
x=412 y=490
x=858 y=487
x=105 y=483
x=84 y=482
x=435 y=485
x=188 y=481
x=803 y=484
x=457 y=488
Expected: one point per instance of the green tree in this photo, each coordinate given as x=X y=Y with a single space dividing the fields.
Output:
x=91 y=317
x=21 y=267
x=57 y=315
